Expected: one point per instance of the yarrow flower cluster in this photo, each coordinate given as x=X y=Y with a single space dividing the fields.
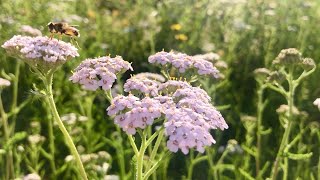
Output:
x=99 y=72
x=188 y=111
x=40 y=52
x=134 y=113
x=146 y=86
x=183 y=62
x=4 y=83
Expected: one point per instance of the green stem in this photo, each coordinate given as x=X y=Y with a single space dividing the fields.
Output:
x=9 y=160
x=220 y=161
x=260 y=108
x=140 y=155
x=193 y=163
x=156 y=145
x=285 y=138
x=15 y=90
x=156 y=165
x=51 y=146
x=66 y=135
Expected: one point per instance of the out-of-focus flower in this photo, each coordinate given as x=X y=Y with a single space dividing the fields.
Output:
x=69 y=118
x=212 y=57
x=176 y=27
x=68 y=158
x=184 y=62
x=317 y=103
x=40 y=52
x=4 y=83
x=32 y=176
x=28 y=30
x=20 y=148
x=151 y=76
x=111 y=177
x=99 y=72
x=283 y=109
x=181 y=37
x=36 y=139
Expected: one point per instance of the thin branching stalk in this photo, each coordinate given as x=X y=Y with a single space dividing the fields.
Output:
x=290 y=99
x=48 y=83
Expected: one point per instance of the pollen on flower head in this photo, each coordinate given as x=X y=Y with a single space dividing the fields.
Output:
x=40 y=52
x=99 y=72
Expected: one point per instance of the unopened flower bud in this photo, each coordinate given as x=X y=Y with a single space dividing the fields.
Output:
x=261 y=74
x=308 y=64
x=276 y=76
x=283 y=109
x=289 y=56
x=249 y=122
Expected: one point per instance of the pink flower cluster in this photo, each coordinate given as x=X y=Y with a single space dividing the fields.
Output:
x=40 y=48
x=99 y=72
x=184 y=62
x=146 y=86
x=186 y=129
x=133 y=113
x=189 y=113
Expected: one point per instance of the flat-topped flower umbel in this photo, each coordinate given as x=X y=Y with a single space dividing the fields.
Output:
x=40 y=52
x=99 y=72
x=189 y=115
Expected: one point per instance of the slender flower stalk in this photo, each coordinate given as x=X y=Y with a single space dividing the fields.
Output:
x=49 y=97
x=287 y=63
x=45 y=56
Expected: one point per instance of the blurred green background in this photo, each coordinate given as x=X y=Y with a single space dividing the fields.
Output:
x=247 y=34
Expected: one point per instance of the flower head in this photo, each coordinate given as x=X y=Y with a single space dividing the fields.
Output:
x=99 y=72
x=183 y=62
x=189 y=113
x=134 y=113
x=146 y=86
x=40 y=52
x=288 y=57
x=186 y=129
x=261 y=74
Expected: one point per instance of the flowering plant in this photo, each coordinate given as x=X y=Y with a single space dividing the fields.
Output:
x=181 y=112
